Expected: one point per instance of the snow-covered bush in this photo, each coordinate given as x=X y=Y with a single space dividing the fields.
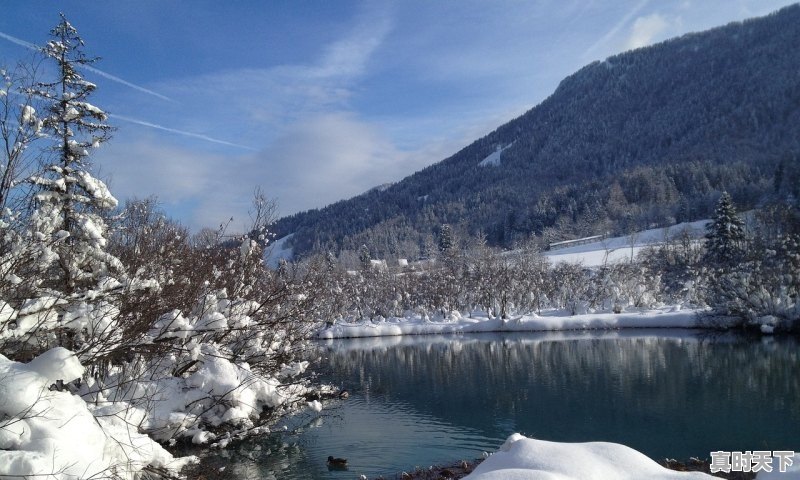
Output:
x=760 y=289
x=211 y=371
x=631 y=285
x=499 y=284
x=765 y=290
x=678 y=262
x=571 y=284
x=133 y=334
x=39 y=427
x=218 y=339
x=20 y=128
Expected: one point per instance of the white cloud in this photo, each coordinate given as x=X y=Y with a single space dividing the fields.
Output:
x=315 y=150
x=283 y=94
x=327 y=158
x=615 y=29
x=201 y=189
x=348 y=57
x=315 y=162
x=645 y=30
x=146 y=166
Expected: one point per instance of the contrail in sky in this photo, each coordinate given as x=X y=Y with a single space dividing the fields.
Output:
x=136 y=87
x=91 y=69
x=18 y=41
x=126 y=83
x=180 y=132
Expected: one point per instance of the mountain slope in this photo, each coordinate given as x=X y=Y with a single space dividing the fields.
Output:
x=645 y=138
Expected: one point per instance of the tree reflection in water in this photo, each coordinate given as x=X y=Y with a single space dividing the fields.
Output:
x=434 y=399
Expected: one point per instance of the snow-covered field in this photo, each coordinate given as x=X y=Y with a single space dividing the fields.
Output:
x=618 y=249
x=277 y=251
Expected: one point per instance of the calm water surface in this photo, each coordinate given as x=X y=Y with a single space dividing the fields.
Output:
x=417 y=401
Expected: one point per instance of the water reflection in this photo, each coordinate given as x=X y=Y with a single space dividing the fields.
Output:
x=423 y=400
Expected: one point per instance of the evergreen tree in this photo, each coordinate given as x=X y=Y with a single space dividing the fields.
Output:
x=446 y=240
x=427 y=247
x=725 y=236
x=69 y=202
x=364 y=258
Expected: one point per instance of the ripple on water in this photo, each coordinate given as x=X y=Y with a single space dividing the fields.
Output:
x=361 y=429
x=423 y=401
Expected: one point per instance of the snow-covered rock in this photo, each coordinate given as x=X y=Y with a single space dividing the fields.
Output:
x=521 y=458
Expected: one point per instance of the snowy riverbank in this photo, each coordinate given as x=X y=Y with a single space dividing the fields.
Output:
x=521 y=458
x=54 y=434
x=672 y=317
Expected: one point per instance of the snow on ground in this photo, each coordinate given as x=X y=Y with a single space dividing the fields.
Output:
x=120 y=416
x=521 y=458
x=278 y=250
x=54 y=434
x=493 y=160
x=623 y=248
x=672 y=317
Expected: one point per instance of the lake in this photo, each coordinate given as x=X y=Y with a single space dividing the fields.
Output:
x=418 y=401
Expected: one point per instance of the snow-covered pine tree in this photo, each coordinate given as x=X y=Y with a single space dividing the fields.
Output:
x=725 y=237
x=448 y=253
x=70 y=199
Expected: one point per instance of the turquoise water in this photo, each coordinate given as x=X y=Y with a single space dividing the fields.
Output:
x=418 y=401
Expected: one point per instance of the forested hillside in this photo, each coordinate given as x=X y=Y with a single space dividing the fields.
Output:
x=645 y=138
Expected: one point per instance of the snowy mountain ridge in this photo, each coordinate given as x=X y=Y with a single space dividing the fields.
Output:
x=653 y=140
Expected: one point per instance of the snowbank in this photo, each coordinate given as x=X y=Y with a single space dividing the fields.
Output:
x=522 y=458
x=664 y=318
x=45 y=432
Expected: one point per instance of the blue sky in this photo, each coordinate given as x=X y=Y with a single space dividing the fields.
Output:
x=319 y=101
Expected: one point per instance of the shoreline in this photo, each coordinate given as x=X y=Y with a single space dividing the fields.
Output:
x=669 y=317
x=463 y=468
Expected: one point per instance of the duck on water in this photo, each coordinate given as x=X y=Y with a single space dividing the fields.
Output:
x=337 y=463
